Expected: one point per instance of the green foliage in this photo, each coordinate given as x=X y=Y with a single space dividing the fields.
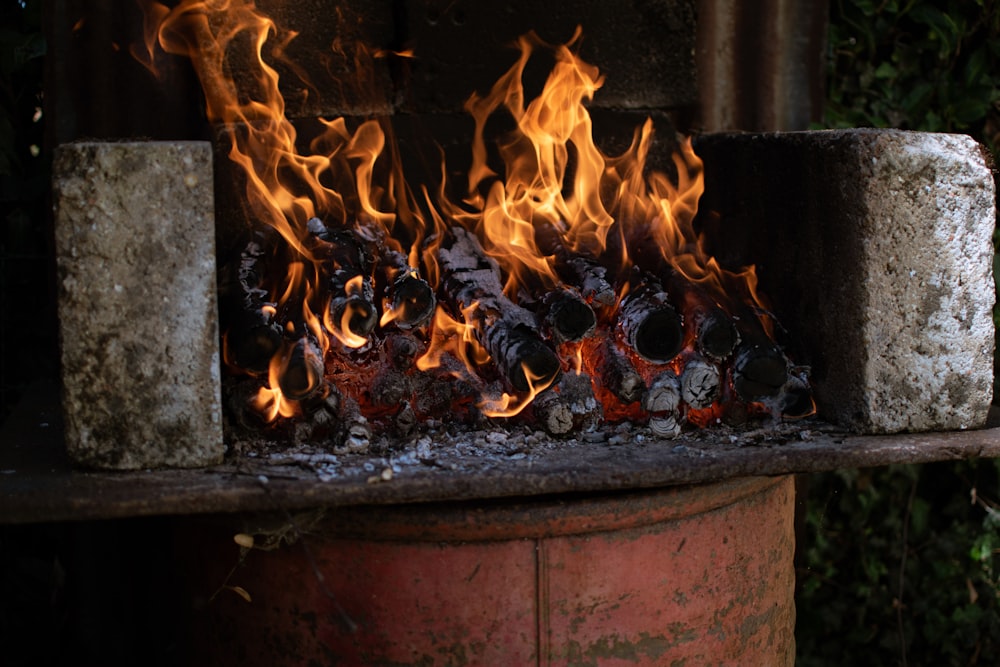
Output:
x=932 y=66
x=895 y=562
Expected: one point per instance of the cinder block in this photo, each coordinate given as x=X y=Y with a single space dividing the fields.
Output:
x=875 y=248
x=135 y=253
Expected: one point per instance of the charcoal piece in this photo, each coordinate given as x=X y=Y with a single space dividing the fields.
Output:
x=700 y=383
x=619 y=375
x=662 y=401
x=584 y=273
x=405 y=421
x=390 y=387
x=649 y=324
x=412 y=300
x=356 y=433
x=252 y=336
x=409 y=299
x=401 y=350
x=302 y=368
x=349 y=263
x=760 y=370
x=567 y=315
x=715 y=332
x=471 y=281
x=796 y=399
x=569 y=406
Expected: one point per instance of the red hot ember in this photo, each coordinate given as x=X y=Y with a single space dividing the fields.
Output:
x=567 y=287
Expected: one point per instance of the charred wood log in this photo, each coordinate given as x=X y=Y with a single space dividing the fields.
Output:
x=700 y=383
x=649 y=324
x=760 y=370
x=620 y=376
x=352 y=300
x=253 y=336
x=715 y=332
x=570 y=406
x=409 y=299
x=301 y=374
x=662 y=401
x=567 y=316
x=471 y=281
x=402 y=350
x=584 y=273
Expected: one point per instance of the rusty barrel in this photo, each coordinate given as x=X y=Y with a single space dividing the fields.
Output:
x=678 y=576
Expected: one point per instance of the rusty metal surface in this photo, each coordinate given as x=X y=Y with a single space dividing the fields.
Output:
x=37 y=484
x=702 y=575
x=761 y=64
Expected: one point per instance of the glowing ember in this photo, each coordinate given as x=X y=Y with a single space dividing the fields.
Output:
x=565 y=278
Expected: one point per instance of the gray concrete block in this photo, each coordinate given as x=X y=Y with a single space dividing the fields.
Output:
x=135 y=254
x=875 y=248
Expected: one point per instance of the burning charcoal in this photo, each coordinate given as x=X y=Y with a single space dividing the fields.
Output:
x=410 y=300
x=760 y=370
x=569 y=406
x=352 y=304
x=796 y=399
x=406 y=420
x=714 y=330
x=252 y=335
x=507 y=331
x=302 y=368
x=357 y=433
x=390 y=387
x=700 y=383
x=584 y=273
x=402 y=350
x=650 y=324
x=618 y=375
x=662 y=400
x=567 y=315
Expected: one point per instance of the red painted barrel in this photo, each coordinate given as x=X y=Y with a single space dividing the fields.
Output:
x=681 y=576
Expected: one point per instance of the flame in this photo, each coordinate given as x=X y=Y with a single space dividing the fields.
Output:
x=551 y=180
x=458 y=339
x=269 y=400
x=511 y=405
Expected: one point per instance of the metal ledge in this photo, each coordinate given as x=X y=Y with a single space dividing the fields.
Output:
x=37 y=484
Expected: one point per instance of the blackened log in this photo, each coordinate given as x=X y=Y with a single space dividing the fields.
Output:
x=649 y=324
x=569 y=406
x=584 y=273
x=390 y=387
x=567 y=316
x=253 y=337
x=619 y=375
x=409 y=300
x=796 y=401
x=760 y=370
x=715 y=332
x=302 y=368
x=662 y=401
x=412 y=300
x=402 y=350
x=471 y=281
x=350 y=266
x=700 y=383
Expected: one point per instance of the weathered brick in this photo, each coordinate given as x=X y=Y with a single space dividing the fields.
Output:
x=137 y=304
x=875 y=247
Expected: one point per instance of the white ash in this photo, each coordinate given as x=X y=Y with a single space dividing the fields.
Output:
x=453 y=448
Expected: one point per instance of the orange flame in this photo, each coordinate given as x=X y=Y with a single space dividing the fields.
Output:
x=511 y=405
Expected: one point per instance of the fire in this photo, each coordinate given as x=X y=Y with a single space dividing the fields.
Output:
x=555 y=215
